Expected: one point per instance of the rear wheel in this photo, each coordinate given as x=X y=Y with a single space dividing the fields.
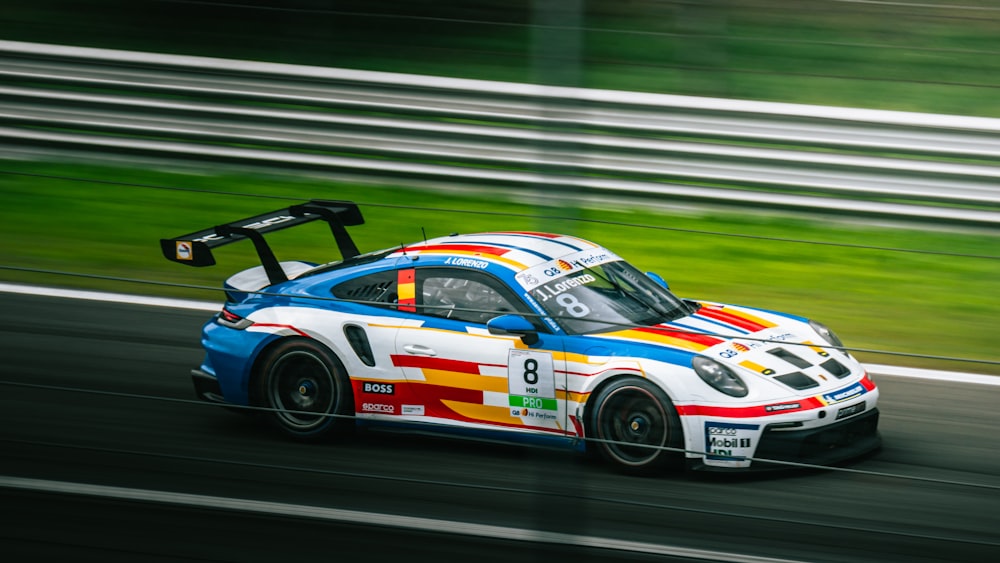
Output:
x=633 y=420
x=307 y=389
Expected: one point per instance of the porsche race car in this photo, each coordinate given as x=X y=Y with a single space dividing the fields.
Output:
x=525 y=336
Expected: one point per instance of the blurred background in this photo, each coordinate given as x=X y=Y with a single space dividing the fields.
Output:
x=936 y=57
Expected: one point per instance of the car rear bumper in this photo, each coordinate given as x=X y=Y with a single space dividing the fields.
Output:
x=206 y=387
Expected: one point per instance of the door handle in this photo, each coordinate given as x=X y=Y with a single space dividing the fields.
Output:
x=419 y=350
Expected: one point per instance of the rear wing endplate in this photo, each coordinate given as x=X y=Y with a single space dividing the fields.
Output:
x=195 y=249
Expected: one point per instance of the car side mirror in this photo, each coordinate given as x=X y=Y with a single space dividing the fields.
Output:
x=513 y=325
x=658 y=279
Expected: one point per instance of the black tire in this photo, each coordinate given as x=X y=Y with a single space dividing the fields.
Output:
x=631 y=420
x=308 y=389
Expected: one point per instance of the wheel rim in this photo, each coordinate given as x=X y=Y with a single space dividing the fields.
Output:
x=301 y=390
x=634 y=424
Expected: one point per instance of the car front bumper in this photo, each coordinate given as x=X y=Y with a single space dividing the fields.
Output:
x=823 y=445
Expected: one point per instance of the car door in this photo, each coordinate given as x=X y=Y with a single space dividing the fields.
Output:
x=464 y=375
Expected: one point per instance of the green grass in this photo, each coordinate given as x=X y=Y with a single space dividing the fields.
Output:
x=875 y=299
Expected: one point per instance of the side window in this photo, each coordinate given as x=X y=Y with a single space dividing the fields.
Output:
x=378 y=289
x=463 y=295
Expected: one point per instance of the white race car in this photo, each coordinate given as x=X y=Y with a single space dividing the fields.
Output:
x=523 y=336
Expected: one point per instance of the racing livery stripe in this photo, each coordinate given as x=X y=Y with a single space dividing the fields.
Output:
x=619 y=368
x=462 y=380
x=434 y=395
x=708 y=321
x=750 y=412
x=751 y=318
x=753 y=366
x=444 y=400
x=274 y=325
x=530 y=233
x=866 y=380
x=571 y=396
x=847 y=393
x=558 y=239
x=816 y=348
x=483 y=413
x=866 y=385
x=480 y=248
x=519 y=248
x=443 y=364
x=574 y=357
x=474 y=253
x=441 y=382
x=737 y=319
x=691 y=340
x=665 y=336
x=477 y=414
x=406 y=290
x=514 y=264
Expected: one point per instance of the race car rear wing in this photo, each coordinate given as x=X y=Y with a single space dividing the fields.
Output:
x=195 y=249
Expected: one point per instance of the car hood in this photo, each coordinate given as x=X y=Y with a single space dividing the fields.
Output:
x=756 y=344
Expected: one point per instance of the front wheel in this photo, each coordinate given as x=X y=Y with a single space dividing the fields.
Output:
x=633 y=420
x=307 y=390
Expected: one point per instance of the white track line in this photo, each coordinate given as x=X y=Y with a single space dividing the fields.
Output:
x=875 y=369
x=355 y=517
x=937 y=375
x=110 y=297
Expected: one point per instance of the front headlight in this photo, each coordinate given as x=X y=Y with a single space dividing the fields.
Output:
x=826 y=333
x=719 y=376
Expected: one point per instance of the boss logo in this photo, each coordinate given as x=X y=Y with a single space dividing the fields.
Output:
x=379 y=388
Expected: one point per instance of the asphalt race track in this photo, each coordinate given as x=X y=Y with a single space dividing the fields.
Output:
x=124 y=476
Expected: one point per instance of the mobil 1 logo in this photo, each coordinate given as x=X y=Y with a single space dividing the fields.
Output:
x=531 y=381
x=730 y=442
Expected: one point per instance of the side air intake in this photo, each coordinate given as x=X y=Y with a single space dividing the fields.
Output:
x=359 y=343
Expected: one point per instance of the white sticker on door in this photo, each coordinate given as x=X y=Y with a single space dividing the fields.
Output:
x=531 y=381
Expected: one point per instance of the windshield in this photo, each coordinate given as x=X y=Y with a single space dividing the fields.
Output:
x=610 y=296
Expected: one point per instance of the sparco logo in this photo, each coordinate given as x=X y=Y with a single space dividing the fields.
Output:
x=380 y=388
x=378 y=407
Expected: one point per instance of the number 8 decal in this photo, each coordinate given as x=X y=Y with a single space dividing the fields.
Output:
x=573 y=305
x=531 y=371
x=530 y=374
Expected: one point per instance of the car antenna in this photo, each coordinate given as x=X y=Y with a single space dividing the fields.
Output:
x=423 y=232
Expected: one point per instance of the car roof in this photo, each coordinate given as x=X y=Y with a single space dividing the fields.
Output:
x=520 y=258
x=516 y=250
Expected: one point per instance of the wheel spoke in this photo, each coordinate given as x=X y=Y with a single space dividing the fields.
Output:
x=300 y=383
x=634 y=424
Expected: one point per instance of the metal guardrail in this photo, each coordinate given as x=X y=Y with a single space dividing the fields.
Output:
x=473 y=132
